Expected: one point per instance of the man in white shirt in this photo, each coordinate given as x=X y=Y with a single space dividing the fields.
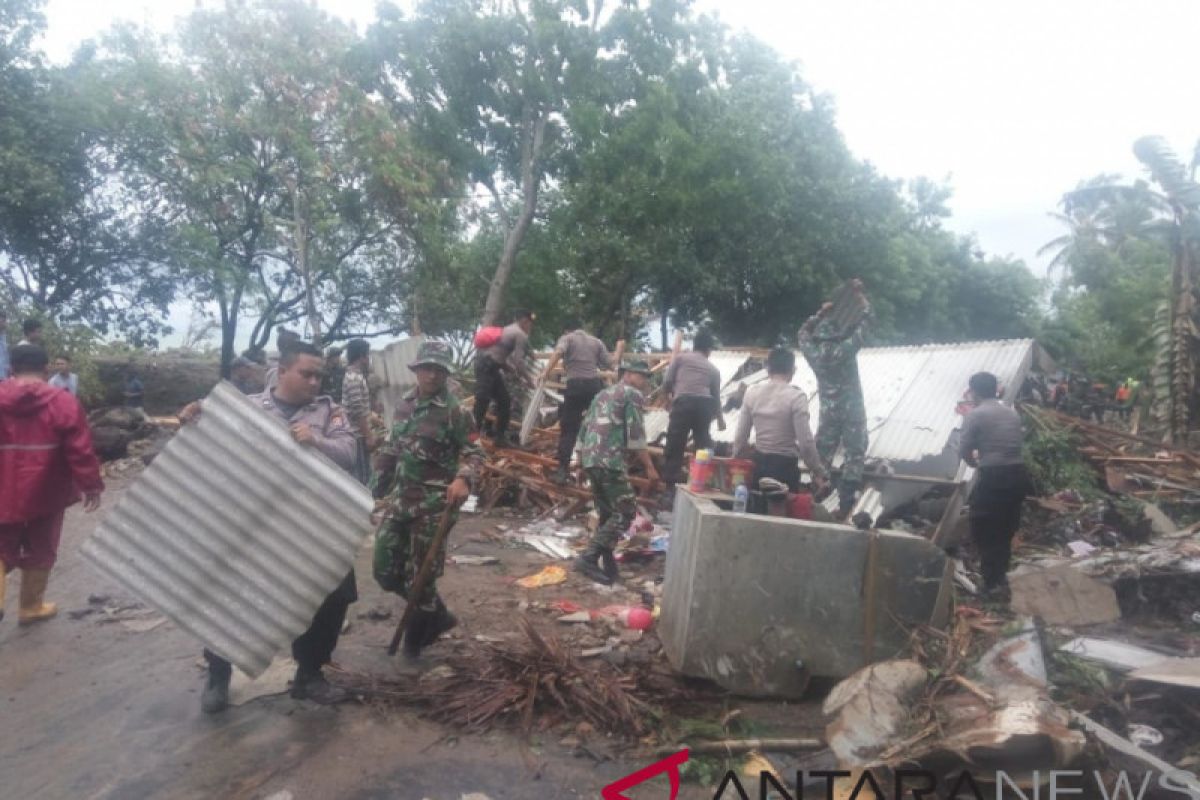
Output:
x=63 y=378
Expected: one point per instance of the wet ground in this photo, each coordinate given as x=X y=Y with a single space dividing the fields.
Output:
x=91 y=708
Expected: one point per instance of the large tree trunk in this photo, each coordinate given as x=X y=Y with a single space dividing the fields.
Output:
x=1182 y=334
x=533 y=136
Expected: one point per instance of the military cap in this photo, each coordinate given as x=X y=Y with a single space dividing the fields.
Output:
x=637 y=365
x=434 y=354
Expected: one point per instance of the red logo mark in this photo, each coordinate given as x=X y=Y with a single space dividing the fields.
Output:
x=669 y=764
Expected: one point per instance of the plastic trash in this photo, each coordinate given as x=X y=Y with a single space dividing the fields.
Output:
x=741 y=498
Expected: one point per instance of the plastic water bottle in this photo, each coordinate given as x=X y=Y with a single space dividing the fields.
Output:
x=741 y=496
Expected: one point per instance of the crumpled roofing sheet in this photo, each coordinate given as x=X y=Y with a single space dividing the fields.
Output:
x=235 y=532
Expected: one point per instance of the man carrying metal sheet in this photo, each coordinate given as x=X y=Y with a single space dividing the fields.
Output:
x=613 y=426
x=428 y=462
x=315 y=421
x=830 y=341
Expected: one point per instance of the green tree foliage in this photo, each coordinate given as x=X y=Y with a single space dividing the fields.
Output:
x=293 y=193
x=69 y=245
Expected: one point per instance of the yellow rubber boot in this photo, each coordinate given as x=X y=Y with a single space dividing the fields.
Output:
x=3 y=581
x=33 y=589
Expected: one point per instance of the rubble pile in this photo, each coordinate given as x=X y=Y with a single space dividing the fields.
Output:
x=126 y=440
x=534 y=685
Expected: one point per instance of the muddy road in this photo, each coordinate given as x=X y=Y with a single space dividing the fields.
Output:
x=103 y=702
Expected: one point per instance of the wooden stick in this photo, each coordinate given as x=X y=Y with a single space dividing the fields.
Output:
x=418 y=584
x=738 y=746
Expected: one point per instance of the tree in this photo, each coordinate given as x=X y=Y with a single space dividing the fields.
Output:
x=71 y=247
x=503 y=90
x=292 y=191
x=1131 y=249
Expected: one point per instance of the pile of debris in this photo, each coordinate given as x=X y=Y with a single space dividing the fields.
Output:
x=1126 y=463
x=533 y=685
x=523 y=478
x=126 y=439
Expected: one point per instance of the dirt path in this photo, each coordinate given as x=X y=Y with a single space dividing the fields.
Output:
x=93 y=709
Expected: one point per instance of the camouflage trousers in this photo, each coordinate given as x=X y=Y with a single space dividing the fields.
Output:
x=400 y=549
x=844 y=421
x=615 y=503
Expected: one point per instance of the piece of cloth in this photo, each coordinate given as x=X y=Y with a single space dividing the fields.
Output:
x=785 y=469
x=614 y=424
x=577 y=398
x=512 y=349
x=46 y=455
x=314 y=648
x=691 y=374
x=995 y=516
x=615 y=502
x=331 y=430
x=490 y=387
x=4 y=358
x=690 y=415
x=778 y=413
x=400 y=550
x=32 y=544
x=994 y=430
x=70 y=382
x=583 y=355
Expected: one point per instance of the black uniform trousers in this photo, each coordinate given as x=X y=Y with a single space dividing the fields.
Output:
x=577 y=397
x=313 y=648
x=489 y=386
x=995 y=516
x=785 y=469
x=690 y=414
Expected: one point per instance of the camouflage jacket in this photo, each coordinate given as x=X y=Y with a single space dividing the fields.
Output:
x=833 y=357
x=613 y=425
x=428 y=447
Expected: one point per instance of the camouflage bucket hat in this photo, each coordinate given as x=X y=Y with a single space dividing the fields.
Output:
x=638 y=366
x=434 y=354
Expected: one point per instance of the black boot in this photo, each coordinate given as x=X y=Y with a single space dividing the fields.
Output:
x=215 y=697
x=310 y=684
x=560 y=477
x=441 y=622
x=501 y=441
x=587 y=564
x=609 y=560
x=415 y=632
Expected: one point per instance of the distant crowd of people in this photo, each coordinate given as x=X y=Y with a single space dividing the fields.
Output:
x=1082 y=397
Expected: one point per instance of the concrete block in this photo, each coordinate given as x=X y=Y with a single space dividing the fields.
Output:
x=746 y=597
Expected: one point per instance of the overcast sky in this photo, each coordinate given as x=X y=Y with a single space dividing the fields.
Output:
x=1014 y=102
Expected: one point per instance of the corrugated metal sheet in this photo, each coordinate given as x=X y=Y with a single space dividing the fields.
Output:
x=910 y=393
x=235 y=532
x=390 y=367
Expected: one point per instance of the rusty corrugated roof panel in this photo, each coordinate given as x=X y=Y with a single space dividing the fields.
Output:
x=235 y=532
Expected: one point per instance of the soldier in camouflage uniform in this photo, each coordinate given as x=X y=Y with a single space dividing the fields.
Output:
x=613 y=426
x=429 y=460
x=832 y=352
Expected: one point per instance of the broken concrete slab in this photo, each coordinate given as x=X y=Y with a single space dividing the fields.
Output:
x=761 y=604
x=1064 y=596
